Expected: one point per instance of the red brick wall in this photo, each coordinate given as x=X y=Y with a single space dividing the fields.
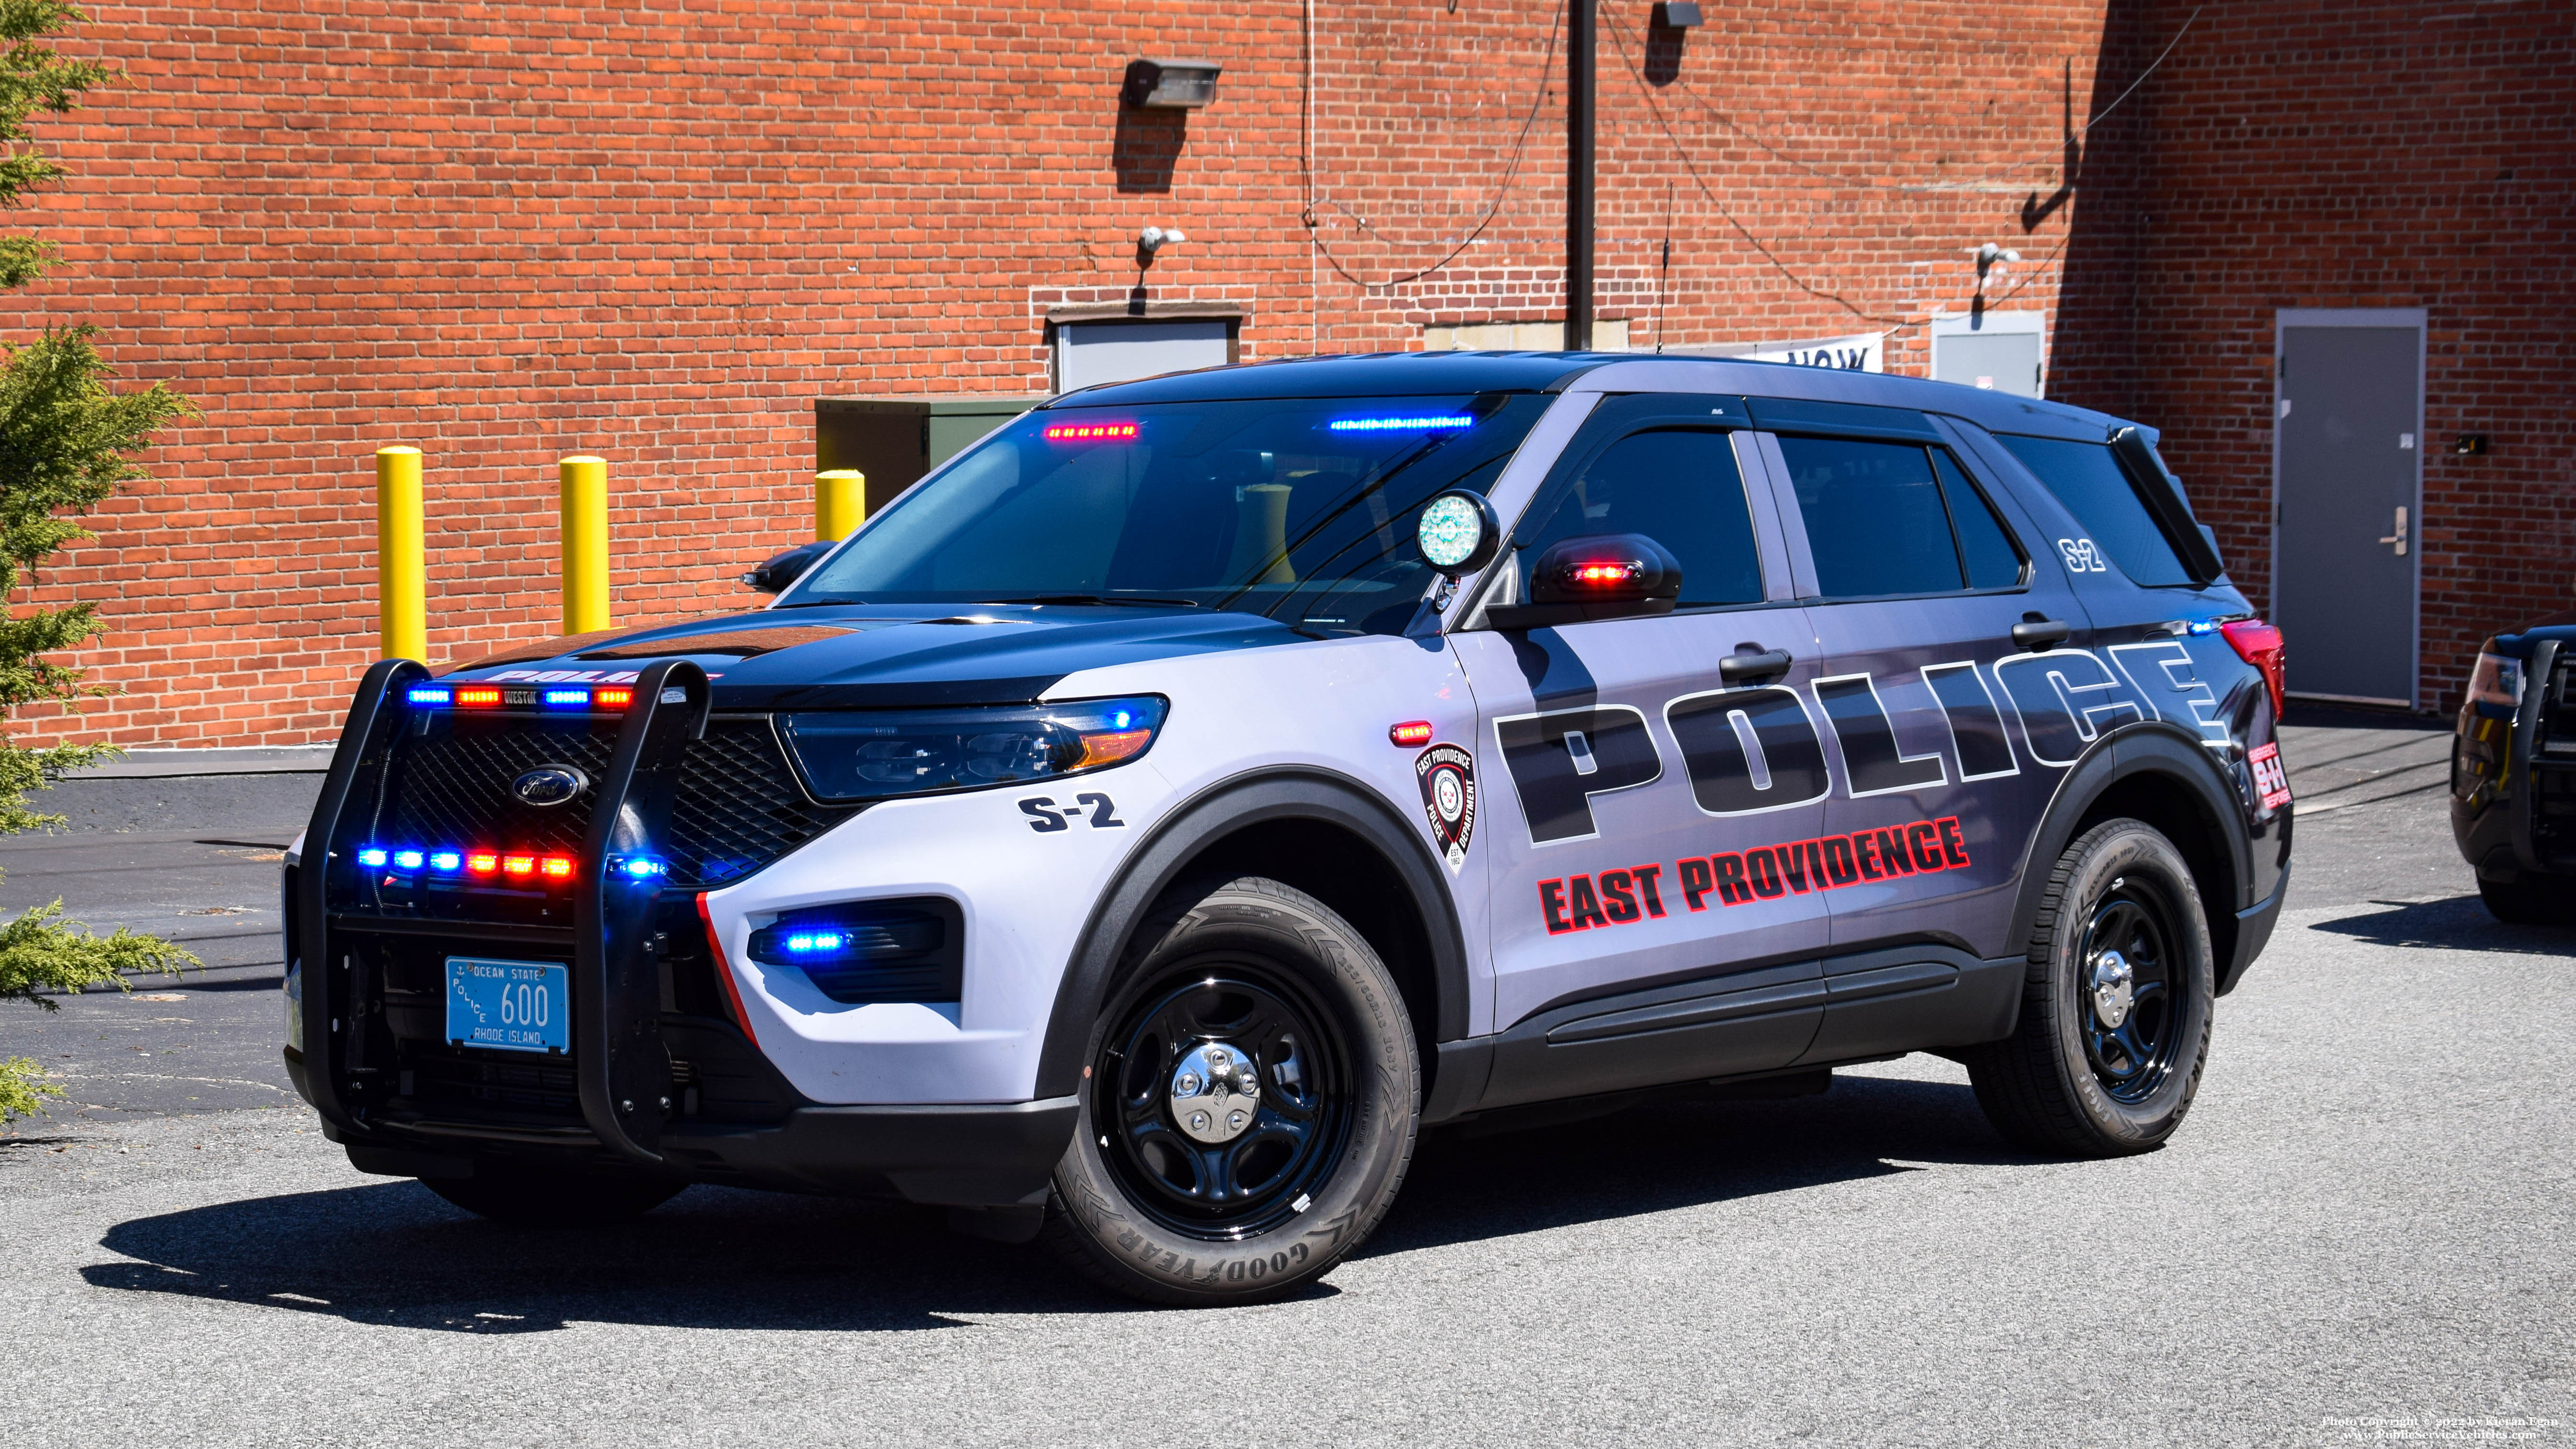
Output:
x=508 y=232
x=2324 y=153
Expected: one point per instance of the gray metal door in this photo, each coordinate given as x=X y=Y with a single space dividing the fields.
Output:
x=2345 y=484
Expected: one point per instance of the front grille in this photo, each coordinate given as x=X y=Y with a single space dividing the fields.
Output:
x=737 y=808
x=450 y=1082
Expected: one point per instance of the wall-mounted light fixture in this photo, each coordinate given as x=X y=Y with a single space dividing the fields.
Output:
x=1991 y=256
x=1677 y=15
x=1172 y=85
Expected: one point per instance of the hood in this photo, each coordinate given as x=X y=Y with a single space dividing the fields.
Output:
x=882 y=655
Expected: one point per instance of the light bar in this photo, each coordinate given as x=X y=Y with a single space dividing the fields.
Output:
x=1091 y=433
x=1401 y=425
x=492 y=862
x=493 y=696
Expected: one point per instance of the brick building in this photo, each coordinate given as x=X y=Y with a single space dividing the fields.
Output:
x=655 y=231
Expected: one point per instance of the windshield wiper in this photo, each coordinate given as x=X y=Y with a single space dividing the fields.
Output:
x=1097 y=599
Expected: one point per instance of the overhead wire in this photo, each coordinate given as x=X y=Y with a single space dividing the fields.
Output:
x=1502 y=191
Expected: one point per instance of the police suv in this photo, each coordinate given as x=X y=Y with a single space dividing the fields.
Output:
x=1148 y=823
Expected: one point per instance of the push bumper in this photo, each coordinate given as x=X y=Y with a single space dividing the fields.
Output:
x=983 y=1155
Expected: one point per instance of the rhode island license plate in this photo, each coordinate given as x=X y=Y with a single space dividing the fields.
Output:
x=516 y=1006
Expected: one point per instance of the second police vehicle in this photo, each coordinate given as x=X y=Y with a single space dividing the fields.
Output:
x=1146 y=825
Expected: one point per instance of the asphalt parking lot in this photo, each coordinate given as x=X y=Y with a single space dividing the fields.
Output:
x=2359 y=1237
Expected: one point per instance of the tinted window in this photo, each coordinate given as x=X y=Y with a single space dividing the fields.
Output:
x=2089 y=482
x=1676 y=486
x=1985 y=546
x=1875 y=520
x=1301 y=510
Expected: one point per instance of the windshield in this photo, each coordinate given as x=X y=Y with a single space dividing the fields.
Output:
x=1302 y=510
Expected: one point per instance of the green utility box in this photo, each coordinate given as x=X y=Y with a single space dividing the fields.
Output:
x=894 y=440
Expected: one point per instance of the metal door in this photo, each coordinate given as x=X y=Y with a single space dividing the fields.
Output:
x=2347 y=507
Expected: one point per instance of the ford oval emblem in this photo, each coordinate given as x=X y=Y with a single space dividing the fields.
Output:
x=550 y=785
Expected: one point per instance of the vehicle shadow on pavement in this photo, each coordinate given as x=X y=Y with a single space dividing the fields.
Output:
x=1683 y=1153
x=391 y=1253
x=2458 y=924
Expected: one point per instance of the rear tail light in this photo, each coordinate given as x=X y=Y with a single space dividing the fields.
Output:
x=2259 y=644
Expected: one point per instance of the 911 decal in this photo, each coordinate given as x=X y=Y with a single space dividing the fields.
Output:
x=1735 y=878
x=2270 y=780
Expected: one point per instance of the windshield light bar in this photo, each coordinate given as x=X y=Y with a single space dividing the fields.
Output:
x=1091 y=433
x=1401 y=425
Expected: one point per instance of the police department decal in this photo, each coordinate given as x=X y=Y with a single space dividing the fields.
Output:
x=1447 y=774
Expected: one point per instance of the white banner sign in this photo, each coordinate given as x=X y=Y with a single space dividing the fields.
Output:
x=1859 y=352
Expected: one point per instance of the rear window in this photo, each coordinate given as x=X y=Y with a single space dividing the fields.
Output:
x=2089 y=481
x=1888 y=519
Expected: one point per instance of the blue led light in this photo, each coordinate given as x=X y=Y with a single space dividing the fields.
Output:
x=2204 y=626
x=410 y=859
x=427 y=694
x=1120 y=719
x=1400 y=425
x=577 y=698
x=643 y=868
x=446 y=860
x=815 y=941
x=372 y=857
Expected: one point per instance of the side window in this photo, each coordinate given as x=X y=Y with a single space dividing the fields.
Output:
x=1679 y=487
x=1986 y=548
x=2087 y=479
x=1878 y=523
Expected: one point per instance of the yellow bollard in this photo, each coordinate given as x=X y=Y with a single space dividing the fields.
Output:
x=402 y=575
x=585 y=544
x=840 y=503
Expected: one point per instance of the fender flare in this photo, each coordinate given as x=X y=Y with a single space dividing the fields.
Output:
x=1168 y=853
x=2153 y=748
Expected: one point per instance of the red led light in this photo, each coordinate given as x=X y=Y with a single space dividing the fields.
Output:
x=482 y=862
x=518 y=865
x=477 y=695
x=1411 y=732
x=1603 y=573
x=611 y=697
x=1091 y=432
x=558 y=867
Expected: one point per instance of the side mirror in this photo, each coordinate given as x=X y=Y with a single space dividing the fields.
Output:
x=785 y=568
x=1598 y=576
x=1458 y=534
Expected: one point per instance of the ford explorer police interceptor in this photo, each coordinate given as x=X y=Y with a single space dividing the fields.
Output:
x=1142 y=828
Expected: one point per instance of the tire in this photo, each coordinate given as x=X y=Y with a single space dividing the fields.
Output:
x=512 y=1192
x=1165 y=1193
x=2106 y=1074
x=2530 y=901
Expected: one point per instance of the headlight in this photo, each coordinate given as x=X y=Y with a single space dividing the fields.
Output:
x=873 y=754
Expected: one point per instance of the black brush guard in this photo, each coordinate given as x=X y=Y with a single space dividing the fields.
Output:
x=622 y=1066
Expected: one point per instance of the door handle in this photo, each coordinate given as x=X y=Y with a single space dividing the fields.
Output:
x=2399 y=537
x=2037 y=633
x=1738 y=668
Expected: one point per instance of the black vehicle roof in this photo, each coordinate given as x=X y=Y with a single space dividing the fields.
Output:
x=1399 y=374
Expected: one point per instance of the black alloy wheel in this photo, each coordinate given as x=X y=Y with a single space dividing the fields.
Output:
x=1197 y=1151
x=2122 y=965
x=2117 y=996
x=1248 y=1106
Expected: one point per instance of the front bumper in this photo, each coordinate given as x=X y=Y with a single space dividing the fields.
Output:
x=983 y=1155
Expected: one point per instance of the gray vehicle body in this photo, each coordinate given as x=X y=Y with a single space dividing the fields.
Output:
x=1676 y=869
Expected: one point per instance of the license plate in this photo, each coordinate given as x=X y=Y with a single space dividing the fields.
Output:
x=514 y=1006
